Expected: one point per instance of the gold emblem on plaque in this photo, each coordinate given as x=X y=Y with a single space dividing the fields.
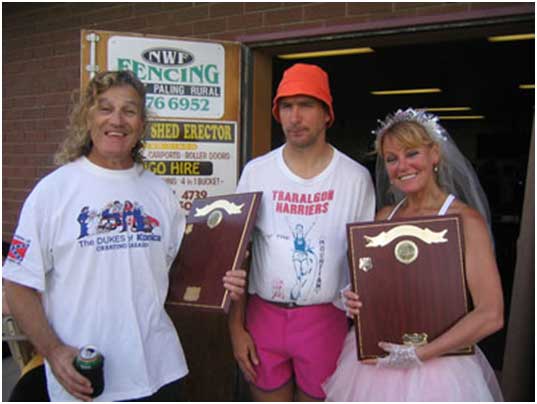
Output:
x=189 y=227
x=406 y=251
x=192 y=294
x=365 y=264
x=415 y=339
x=214 y=219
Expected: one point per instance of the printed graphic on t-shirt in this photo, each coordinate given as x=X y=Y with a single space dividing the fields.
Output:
x=278 y=290
x=17 y=249
x=113 y=226
x=307 y=204
x=307 y=259
x=305 y=263
x=302 y=213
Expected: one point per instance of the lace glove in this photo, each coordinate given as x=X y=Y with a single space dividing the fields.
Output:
x=343 y=301
x=400 y=356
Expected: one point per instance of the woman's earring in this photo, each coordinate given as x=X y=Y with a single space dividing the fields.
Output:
x=435 y=169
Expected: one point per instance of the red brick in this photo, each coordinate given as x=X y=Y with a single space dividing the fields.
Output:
x=18 y=148
x=394 y=15
x=180 y=30
x=245 y=21
x=299 y=26
x=284 y=16
x=265 y=30
x=158 y=20
x=324 y=11
x=10 y=209
x=107 y=14
x=39 y=52
x=16 y=194
x=62 y=11
x=73 y=35
x=16 y=161
x=19 y=183
x=7 y=234
x=210 y=26
x=484 y=6
x=227 y=36
x=57 y=62
x=134 y=24
x=45 y=170
x=289 y=4
x=18 y=172
x=47 y=148
x=403 y=5
x=57 y=25
x=34 y=137
x=65 y=48
x=359 y=19
x=143 y=9
x=253 y=7
x=23 y=114
x=442 y=9
x=56 y=111
x=225 y=9
x=20 y=54
x=15 y=30
x=54 y=123
x=191 y=14
x=368 y=8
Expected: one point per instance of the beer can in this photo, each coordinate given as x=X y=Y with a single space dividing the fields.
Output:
x=90 y=363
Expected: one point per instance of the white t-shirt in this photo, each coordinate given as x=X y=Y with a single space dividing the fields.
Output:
x=98 y=244
x=300 y=239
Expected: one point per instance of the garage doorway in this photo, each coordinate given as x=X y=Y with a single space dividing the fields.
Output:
x=471 y=72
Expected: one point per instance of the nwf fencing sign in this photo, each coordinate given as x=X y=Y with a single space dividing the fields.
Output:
x=183 y=79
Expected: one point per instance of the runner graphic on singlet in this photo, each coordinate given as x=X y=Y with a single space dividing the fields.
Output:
x=305 y=263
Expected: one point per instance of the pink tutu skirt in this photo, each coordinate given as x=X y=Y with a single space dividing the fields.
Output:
x=449 y=378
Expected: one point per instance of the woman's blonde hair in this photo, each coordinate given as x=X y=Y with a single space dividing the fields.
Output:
x=408 y=133
x=78 y=142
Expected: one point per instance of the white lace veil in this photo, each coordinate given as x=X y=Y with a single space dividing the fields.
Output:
x=455 y=173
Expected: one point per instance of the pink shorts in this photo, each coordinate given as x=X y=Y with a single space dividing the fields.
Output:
x=304 y=342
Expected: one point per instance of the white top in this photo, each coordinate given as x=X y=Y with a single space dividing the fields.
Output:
x=98 y=244
x=445 y=206
x=300 y=238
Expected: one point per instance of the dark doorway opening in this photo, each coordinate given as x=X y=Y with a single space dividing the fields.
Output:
x=472 y=72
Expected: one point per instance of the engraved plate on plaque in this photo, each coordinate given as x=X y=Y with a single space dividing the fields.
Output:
x=415 y=338
x=192 y=294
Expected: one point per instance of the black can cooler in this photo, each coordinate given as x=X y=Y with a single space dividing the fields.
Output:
x=90 y=363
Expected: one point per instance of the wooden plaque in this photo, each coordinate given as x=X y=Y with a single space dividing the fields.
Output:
x=411 y=280
x=217 y=233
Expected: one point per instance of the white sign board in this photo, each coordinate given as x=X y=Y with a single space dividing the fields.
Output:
x=183 y=79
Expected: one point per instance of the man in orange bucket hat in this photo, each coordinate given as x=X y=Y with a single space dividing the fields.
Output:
x=287 y=333
x=304 y=79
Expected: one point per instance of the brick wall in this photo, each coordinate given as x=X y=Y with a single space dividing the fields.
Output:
x=41 y=56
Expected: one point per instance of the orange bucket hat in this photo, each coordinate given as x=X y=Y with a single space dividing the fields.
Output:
x=304 y=79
